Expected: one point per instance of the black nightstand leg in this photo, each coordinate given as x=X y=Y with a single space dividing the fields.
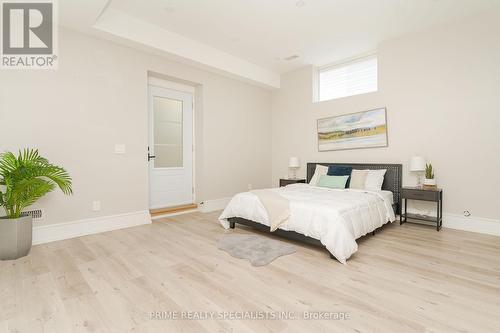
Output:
x=441 y=197
x=401 y=213
x=406 y=210
x=437 y=214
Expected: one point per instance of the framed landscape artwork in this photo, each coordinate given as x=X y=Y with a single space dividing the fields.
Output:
x=365 y=129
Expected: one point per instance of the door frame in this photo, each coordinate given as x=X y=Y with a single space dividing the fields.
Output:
x=179 y=87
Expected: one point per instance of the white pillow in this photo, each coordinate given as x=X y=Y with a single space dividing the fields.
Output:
x=320 y=170
x=358 y=179
x=374 y=180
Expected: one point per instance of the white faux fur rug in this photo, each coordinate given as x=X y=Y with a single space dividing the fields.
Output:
x=258 y=249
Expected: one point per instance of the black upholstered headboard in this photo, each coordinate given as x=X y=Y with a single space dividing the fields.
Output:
x=393 y=179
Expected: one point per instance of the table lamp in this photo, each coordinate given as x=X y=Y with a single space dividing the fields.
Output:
x=294 y=164
x=417 y=164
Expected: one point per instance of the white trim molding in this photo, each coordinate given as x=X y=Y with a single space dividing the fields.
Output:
x=213 y=205
x=54 y=232
x=474 y=224
x=167 y=84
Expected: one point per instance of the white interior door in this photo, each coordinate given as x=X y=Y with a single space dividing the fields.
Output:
x=170 y=152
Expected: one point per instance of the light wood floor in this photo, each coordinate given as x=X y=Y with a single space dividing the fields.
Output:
x=407 y=278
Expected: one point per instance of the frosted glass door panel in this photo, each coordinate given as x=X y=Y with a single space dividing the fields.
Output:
x=167 y=130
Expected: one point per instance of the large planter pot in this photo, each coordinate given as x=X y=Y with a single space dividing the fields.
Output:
x=430 y=182
x=15 y=237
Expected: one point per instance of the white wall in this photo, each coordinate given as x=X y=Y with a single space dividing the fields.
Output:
x=98 y=97
x=441 y=88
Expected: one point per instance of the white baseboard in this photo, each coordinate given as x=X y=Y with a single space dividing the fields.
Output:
x=55 y=232
x=213 y=205
x=474 y=224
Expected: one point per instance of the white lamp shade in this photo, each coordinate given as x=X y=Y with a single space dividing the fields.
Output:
x=294 y=162
x=417 y=163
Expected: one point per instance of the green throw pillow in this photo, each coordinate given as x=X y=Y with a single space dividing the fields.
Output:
x=333 y=181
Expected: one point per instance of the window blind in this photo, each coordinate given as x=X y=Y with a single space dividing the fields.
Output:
x=353 y=78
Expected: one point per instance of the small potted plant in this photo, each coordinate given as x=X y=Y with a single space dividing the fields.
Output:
x=23 y=180
x=429 y=176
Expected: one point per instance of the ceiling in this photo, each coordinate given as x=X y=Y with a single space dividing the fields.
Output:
x=265 y=32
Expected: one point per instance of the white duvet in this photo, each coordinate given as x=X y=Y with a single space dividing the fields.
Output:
x=335 y=217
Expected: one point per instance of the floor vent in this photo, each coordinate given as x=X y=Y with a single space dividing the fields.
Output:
x=36 y=214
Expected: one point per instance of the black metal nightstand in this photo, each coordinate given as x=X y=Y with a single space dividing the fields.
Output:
x=285 y=182
x=424 y=194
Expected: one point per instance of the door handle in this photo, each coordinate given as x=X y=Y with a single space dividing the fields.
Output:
x=150 y=157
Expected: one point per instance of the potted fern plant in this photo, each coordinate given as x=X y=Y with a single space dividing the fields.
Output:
x=429 y=180
x=23 y=180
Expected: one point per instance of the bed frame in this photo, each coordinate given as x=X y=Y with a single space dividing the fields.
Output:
x=392 y=182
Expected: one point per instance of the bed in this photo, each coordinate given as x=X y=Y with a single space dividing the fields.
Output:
x=325 y=217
